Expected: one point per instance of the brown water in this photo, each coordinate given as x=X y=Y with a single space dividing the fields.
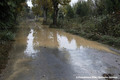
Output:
x=42 y=53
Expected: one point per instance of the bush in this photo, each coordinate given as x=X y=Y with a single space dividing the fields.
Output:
x=108 y=25
x=70 y=12
x=7 y=35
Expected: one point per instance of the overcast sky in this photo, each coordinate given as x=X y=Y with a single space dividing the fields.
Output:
x=30 y=3
x=73 y=2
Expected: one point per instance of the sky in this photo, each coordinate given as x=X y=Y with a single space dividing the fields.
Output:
x=30 y=3
x=73 y=2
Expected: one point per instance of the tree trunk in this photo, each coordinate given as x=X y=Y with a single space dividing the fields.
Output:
x=45 y=16
x=55 y=14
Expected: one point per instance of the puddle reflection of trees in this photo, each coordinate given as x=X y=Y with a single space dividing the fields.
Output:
x=49 y=37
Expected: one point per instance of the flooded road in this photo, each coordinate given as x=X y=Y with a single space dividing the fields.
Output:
x=42 y=53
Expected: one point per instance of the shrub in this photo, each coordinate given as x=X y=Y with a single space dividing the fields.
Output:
x=7 y=35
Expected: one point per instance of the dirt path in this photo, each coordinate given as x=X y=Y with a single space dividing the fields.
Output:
x=41 y=53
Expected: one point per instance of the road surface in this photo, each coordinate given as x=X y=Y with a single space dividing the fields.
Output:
x=42 y=53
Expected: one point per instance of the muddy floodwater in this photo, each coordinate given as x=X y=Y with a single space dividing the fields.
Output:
x=42 y=53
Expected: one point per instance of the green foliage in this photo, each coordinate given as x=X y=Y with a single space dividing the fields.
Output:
x=107 y=6
x=70 y=12
x=60 y=14
x=7 y=35
x=8 y=15
x=38 y=6
x=36 y=10
x=108 y=25
x=82 y=9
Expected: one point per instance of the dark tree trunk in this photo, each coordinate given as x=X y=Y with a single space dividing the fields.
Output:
x=15 y=18
x=45 y=15
x=55 y=14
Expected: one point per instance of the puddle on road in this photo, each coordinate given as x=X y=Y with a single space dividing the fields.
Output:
x=46 y=48
x=30 y=51
x=54 y=38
